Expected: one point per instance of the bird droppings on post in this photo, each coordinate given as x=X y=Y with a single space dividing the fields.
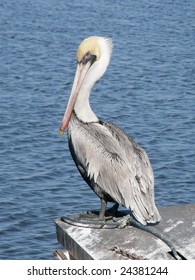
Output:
x=173 y=226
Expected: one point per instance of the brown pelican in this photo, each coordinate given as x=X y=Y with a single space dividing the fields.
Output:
x=114 y=166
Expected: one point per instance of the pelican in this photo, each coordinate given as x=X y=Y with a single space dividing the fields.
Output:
x=115 y=167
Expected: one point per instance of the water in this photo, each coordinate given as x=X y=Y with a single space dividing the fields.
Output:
x=148 y=90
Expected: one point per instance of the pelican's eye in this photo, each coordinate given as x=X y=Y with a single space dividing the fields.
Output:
x=88 y=57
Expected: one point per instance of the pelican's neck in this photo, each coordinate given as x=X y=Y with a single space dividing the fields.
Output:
x=82 y=107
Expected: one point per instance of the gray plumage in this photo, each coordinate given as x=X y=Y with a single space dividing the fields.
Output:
x=114 y=165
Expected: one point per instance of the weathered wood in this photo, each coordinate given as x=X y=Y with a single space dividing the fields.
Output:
x=62 y=255
x=177 y=224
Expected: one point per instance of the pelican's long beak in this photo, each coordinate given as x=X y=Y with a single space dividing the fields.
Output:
x=80 y=74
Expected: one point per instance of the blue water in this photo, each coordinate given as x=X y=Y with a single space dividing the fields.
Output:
x=148 y=90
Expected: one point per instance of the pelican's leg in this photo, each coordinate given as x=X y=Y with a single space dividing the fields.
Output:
x=102 y=209
x=112 y=211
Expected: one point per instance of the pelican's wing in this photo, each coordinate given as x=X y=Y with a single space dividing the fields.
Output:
x=118 y=166
x=140 y=177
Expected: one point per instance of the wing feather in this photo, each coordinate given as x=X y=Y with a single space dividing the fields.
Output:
x=118 y=166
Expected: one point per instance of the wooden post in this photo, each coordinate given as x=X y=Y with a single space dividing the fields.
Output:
x=177 y=224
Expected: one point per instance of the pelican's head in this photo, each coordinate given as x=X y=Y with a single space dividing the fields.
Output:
x=93 y=56
x=87 y=47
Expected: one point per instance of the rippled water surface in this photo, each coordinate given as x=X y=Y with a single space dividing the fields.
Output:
x=148 y=90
